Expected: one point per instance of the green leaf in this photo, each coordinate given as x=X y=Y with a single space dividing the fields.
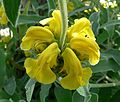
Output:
x=103 y=16
x=35 y=3
x=2 y=67
x=44 y=91
x=22 y=101
x=4 y=100
x=115 y=97
x=80 y=10
x=110 y=29
x=63 y=95
x=15 y=97
x=3 y=94
x=113 y=22
x=115 y=54
x=26 y=9
x=22 y=30
x=2 y=44
x=43 y=6
x=77 y=97
x=117 y=41
x=29 y=19
x=29 y=89
x=12 y=9
x=10 y=85
x=78 y=3
x=51 y=5
x=94 y=19
x=105 y=94
x=109 y=61
x=102 y=36
x=106 y=65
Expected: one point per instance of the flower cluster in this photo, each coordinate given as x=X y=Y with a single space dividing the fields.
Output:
x=64 y=65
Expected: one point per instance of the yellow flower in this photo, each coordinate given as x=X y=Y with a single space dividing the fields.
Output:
x=51 y=62
x=35 y=35
x=82 y=40
x=54 y=23
x=76 y=75
x=86 y=47
x=80 y=28
x=3 y=17
x=40 y=68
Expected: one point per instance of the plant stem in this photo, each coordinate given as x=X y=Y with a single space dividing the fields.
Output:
x=105 y=85
x=86 y=89
x=64 y=26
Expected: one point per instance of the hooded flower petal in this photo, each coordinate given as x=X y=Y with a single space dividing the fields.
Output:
x=54 y=23
x=34 y=34
x=75 y=73
x=81 y=27
x=45 y=21
x=40 y=68
x=87 y=47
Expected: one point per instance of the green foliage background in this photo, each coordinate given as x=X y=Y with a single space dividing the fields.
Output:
x=15 y=85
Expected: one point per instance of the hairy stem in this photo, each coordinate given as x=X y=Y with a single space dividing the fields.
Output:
x=64 y=16
x=105 y=85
